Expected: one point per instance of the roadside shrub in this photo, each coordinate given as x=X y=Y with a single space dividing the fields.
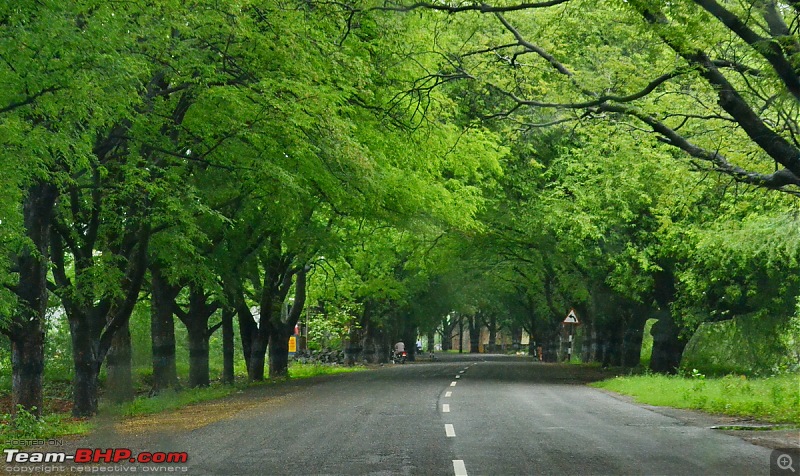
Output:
x=751 y=345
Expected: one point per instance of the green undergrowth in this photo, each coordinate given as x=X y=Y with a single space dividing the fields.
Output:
x=169 y=400
x=55 y=425
x=773 y=399
x=26 y=427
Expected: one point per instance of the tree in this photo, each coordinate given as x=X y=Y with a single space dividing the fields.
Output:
x=714 y=81
x=42 y=44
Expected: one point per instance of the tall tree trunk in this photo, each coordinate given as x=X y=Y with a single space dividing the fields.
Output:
x=589 y=348
x=258 y=352
x=162 y=331
x=93 y=327
x=612 y=345
x=247 y=332
x=26 y=330
x=448 y=326
x=492 y=333
x=550 y=346
x=119 y=381
x=353 y=351
x=227 y=345
x=474 y=323
x=27 y=367
x=534 y=340
x=85 y=360
x=533 y=348
x=516 y=338
x=373 y=342
x=460 y=334
x=589 y=344
x=632 y=339
x=254 y=337
x=280 y=331
x=198 y=354
x=667 y=345
x=279 y=351
x=410 y=338
x=196 y=321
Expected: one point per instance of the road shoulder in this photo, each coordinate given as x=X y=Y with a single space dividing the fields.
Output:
x=761 y=433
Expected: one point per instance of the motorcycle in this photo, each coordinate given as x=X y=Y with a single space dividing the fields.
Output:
x=399 y=357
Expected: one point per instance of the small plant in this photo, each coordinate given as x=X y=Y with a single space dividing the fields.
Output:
x=697 y=375
x=25 y=423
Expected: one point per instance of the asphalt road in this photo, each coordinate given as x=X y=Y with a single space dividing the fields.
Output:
x=484 y=415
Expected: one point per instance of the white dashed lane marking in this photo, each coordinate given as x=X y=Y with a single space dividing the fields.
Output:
x=458 y=467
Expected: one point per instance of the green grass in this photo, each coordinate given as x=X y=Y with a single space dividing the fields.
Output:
x=773 y=399
x=172 y=400
x=168 y=400
x=313 y=370
x=48 y=427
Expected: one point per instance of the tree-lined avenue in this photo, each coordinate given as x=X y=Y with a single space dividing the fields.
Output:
x=509 y=416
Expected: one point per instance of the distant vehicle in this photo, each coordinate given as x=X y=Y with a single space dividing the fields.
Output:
x=399 y=357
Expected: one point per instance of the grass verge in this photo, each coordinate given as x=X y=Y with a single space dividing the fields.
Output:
x=772 y=399
x=313 y=370
x=49 y=427
x=58 y=424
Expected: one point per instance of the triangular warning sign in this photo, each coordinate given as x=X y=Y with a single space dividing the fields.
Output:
x=571 y=318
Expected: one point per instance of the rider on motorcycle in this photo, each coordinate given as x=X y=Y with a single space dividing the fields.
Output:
x=399 y=351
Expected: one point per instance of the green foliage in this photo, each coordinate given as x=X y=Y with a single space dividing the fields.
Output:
x=749 y=345
x=26 y=426
x=58 y=348
x=647 y=344
x=5 y=365
x=248 y=134
x=327 y=331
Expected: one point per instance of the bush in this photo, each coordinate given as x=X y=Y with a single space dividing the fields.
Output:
x=749 y=345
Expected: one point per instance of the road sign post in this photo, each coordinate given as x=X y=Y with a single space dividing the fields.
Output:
x=570 y=322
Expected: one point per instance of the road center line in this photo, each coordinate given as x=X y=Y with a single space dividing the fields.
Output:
x=447 y=394
x=453 y=384
x=461 y=372
x=449 y=430
x=458 y=376
x=458 y=467
x=445 y=408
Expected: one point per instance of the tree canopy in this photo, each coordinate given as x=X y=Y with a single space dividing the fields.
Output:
x=392 y=166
